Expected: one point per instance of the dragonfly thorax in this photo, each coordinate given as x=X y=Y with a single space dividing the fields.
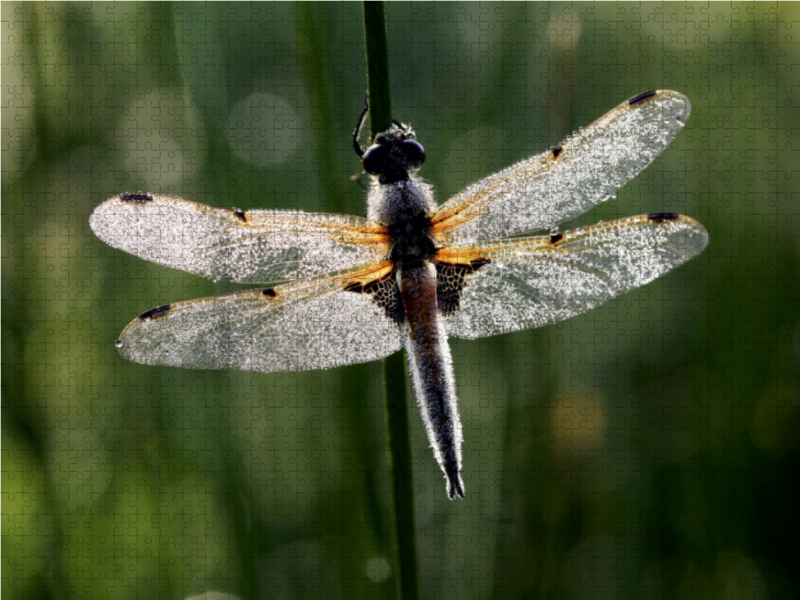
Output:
x=412 y=241
x=405 y=207
x=402 y=201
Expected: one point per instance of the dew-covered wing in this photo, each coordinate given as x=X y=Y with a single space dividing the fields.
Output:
x=255 y=246
x=530 y=282
x=298 y=326
x=586 y=169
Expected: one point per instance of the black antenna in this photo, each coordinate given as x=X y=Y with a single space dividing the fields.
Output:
x=357 y=133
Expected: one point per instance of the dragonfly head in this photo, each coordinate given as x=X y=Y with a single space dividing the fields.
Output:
x=393 y=154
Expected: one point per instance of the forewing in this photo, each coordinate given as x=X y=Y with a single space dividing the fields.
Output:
x=530 y=282
x=256 y=246
x=586 y=169
x=299 y=326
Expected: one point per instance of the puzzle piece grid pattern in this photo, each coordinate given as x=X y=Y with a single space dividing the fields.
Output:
x=646 y=449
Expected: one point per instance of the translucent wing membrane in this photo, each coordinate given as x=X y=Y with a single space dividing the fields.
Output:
x=299 y=326
x=535 y=281
x=586 y=169
x=256 y=246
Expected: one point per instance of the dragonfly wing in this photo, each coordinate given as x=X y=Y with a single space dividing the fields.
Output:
x=299 y=326
x=256 y=246
x=586 y=169
x=535 y=281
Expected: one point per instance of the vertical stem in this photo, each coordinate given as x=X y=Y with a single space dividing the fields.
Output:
x=380 y=98
x=404 y=551
x=400 y=478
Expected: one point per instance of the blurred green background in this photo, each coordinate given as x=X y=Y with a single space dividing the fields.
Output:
x=648 y=449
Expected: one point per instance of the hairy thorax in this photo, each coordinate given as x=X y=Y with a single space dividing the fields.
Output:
x=405 y=207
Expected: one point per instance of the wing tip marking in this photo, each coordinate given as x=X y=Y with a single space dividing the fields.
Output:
x=641 y=97
x=240 y=215
x=678 y=104
x=155 y=313
x=556 y=152
x=556 y=238
x=269 y=293
x=136 y=197
x=662 y=217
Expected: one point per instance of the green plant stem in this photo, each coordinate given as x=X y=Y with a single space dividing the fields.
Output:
x=401 y=484
x=400 y=478
x=380 y=98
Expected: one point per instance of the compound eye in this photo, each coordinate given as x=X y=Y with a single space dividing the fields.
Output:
x=375 y=159
x=414 y=154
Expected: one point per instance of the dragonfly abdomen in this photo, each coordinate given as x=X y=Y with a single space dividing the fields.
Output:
x=432 y=369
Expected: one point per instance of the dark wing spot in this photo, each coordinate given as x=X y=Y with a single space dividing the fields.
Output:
x=557 y=151
x=269 y=293
x=138 y=197
x=239 y=214
x=385 y=293
x=154 y=313
x=661 y=217
x=450 y=281
x=641 y=97
x=555 y=238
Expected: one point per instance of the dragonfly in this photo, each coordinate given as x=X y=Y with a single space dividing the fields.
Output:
x=339 y=289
